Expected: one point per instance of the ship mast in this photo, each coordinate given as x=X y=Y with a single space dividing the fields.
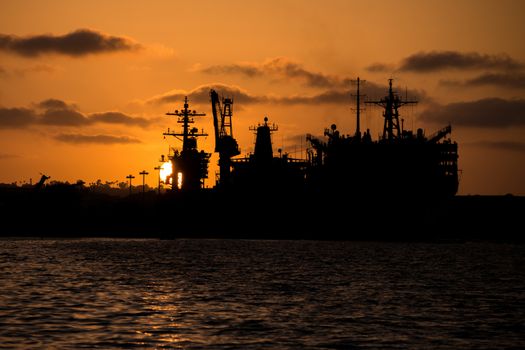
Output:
x=186 y=118
x=190 y=167
x=358 y=108
x=391 y=105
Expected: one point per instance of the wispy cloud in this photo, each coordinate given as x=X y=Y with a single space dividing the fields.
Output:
x=95 y=139
x=381 y=67
x=281 y=68
x=440 y=60
x=201 y=94
x=78 y=43
x=514 y=80
x=15 y=118
x=118 y=118
x=8 y=156
x=54 y=112
x=329 y=96
x=434 y=61
x=484 y=113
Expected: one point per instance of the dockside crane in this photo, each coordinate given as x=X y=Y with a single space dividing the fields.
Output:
x=225 y=144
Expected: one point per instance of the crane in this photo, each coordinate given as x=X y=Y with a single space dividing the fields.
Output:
x=438 y=135
x=225 y=144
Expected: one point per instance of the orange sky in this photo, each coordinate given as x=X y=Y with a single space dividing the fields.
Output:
x=84 y=85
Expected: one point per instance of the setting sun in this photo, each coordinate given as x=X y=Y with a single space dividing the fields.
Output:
x=165 y=172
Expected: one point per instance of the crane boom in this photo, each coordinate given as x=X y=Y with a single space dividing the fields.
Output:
x=440 y=134
x=216 y=109
x=225 y=144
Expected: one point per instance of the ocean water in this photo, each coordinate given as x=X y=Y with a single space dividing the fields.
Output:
x=242 y=294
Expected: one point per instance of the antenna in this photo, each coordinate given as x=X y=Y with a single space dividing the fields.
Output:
x=358 y=108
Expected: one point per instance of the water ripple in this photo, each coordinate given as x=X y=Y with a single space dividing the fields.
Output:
x=236 y=294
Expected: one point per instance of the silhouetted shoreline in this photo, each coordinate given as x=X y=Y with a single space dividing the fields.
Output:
x=210 y=213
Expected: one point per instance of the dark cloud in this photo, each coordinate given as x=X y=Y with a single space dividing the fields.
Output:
x=485 y=113
x=250 y=70
x=118 y=118
x=513 y=146
x=94 y=139
x=505 y=80
x=8 y=156
x=200 y=95
x=338 y=90
x=63 y=117
x=53 y=104
x=78 y=43
x=55 y=112
x=424 y=62
x=380 y=67
x=282 y=68
x=12 y=118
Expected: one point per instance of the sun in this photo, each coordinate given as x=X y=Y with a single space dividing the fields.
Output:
x=165 y=171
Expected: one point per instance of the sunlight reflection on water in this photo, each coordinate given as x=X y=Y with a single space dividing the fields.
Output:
x=260 y=294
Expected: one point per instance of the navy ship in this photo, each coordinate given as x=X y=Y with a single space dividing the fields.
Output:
x=401 y=163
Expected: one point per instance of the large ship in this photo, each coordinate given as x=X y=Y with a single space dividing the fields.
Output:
x=400 y=186
x=399 y=164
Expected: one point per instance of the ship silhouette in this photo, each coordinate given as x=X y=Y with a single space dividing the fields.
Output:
x=401 y=164
x=401 y=186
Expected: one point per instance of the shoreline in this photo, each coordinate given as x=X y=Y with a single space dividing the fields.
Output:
x=298 y=216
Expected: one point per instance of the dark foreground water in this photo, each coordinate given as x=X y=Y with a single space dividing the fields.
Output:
x=235 y=294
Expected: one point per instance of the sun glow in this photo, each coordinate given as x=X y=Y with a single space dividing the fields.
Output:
x=179 y=180
x=165 y=172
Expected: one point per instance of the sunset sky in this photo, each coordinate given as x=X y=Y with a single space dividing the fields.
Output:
x=85 y=85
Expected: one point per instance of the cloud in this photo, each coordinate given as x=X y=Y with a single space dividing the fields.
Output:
x=484 y=113
x=434 y=61
x=118 y=118
x=78 y=43
x=63 y=117
x=282 y=68
x=200 y=95
x=424 y=62
x=380 y=67
x=326 y=97
x=13 y=118
x=505 y=80
x=52 y=103
x=513 y=146
x=91 y=139
x=8 y=156
x=53 y=112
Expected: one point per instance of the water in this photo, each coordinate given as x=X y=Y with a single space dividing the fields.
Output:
x=235 y=294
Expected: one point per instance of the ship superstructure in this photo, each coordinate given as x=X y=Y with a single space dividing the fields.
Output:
x=262 y=170
x=398 y=164
x=189 y=165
